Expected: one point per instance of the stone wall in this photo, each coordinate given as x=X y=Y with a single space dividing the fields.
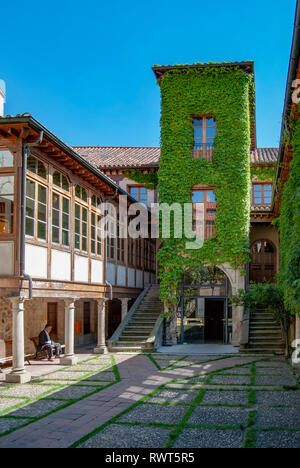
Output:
x=5 y=327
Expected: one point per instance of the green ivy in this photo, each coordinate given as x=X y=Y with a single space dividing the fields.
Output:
x=150 y=180
x=261 y=173
x=228 y=94
x=289 y=225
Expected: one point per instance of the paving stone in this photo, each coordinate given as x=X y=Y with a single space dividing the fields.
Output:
x=273 y=371
x=72 y=392
x=75 y=382
x=278 y=417
x=27 y=390
x=216 y=416
x=158 y=414
x=6 y=403
x=173 y=396
x=210 y=438
x=37 y=408
x=230 y=380
x=101 y=376
x=238 y=371
x=118 y=436
x=279 y=364
x=225 y=397
x=87 y=367
x=65 y=375
x=278 y=398
x=271 y=380
x=198 y=379
x=277 y=439
x=6 y=424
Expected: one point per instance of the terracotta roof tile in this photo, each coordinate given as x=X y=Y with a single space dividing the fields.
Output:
x=107 y=157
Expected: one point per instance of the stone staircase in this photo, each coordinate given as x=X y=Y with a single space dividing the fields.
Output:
x=265 y=336
x=135 y=335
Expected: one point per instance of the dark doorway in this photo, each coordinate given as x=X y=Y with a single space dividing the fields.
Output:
x=214 y=320
x=52 y=316
x=114 y=310
x=86 y=318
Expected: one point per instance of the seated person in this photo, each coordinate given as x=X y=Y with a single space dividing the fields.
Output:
x=45 y=342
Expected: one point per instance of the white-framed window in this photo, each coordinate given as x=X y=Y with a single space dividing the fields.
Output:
x=36 y=210
x=60 y=219
x=81 y=228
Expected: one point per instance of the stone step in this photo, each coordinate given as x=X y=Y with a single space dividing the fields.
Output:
x=265 y=327
x=261 y=351
x=126 y=349
x=140 y=339
x=131 y=343
x=262 y=344
x=261 y=323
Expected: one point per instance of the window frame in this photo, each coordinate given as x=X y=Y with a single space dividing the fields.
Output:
x=209 y=218
x=36 y=200
x=7 y=172
x=8 y=168
x=96 y=212
x=204 y=151
x=263 y=196
x=138 y=187
x=61 y=196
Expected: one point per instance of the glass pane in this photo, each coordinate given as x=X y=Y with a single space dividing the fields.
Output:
x=210 y=143
x=77 y=226
x=197 y=196
x=93 y=232
x=7 y=185
x=84 y=195
x=98 y=248
x=210 y=196
x=41 y=170
x=198 y=132
x=65 y=221
x=29 y=227
x=257 y=188
x=41 y=230
x=84 y=244
x=84 y=214
x=84 y=229
x=257 y=200
x=210 y=122
x=55 y=218
x=197 y=122
x=56 y=179
x=66 y=205
x=42 y=194
x=93 y=246
x=94 y=200
x=65 y=238
x=65 y=183
x=134 y=191
x=77 y=211
x=31 y=164
x=211 y=132
x=268 y=200
x=5 y=224
x=55 y=235
x=78 y=191
x=30 y=208
x=93 y=219
x=268 y=188
x=77 y=241
x=42 y=212
x=55 y=201
x=6 y=158
x=30 y=188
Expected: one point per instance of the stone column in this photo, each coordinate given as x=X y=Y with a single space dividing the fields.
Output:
x=18 y=373
x=101 y=343
x=69 y=358
x=124 y=302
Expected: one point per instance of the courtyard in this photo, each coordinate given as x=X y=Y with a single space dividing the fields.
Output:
x=154 y=401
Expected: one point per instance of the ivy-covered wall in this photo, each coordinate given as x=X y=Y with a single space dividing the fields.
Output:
x=225 y=93
x=289 y=226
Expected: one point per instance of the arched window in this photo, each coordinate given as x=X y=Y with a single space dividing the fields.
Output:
x=263 y=261
x=36 y=166
x=61 y=180
x=80 y=192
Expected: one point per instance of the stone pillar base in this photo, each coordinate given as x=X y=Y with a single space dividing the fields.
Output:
x=101 y=350
x=68 y=361
x=18 y=377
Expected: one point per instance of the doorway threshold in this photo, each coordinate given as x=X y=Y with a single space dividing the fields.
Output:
x=200 y=349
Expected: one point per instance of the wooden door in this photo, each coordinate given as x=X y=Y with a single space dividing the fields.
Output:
x=263 y=262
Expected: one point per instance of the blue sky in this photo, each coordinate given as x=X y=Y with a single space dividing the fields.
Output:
x=84 y=68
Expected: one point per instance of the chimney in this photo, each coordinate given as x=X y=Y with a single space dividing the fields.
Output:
x=2 y=97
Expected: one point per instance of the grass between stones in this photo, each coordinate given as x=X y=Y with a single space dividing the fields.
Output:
x=6 y=413
x=246 y=400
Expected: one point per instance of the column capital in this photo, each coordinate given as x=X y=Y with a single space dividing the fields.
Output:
x=101 y=301
x=17 y=300
x=68 y=301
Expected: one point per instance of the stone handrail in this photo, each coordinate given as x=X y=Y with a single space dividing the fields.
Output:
x=152 y=338
x=245 y=329
x=115 y=337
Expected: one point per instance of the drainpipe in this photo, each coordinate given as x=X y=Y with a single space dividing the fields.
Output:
x=25 y=153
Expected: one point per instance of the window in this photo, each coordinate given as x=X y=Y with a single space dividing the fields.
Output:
x=208 y=199
x=139 y=253
x=96 y=245
x=7 y=188
x=96 y=202
x=81 y=227
x=146 y=255
x=81 y=193
x=263 y=261
x=120 y=244
x=61 y=180
x=131 y=251
x=262 y=194
x=139 y=193
x=205 y=130
x=152 y=257
x=37 y=167
x=36 y=210
x=60 y=220
x=6 y=158
x=111 y=239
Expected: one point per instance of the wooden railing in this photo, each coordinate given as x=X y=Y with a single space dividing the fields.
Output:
x=203 y=153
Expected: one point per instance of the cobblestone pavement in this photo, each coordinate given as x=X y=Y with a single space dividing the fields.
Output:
x=154 y=401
